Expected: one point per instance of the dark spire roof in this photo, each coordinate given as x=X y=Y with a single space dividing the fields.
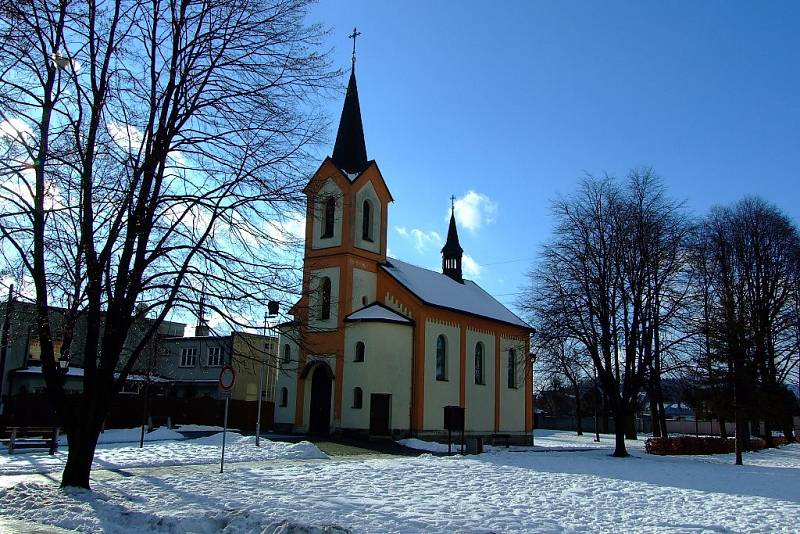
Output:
x=452 y=246
x=452 y=251
x=350 y=150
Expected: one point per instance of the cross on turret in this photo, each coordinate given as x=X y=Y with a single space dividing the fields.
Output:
x=353 y=36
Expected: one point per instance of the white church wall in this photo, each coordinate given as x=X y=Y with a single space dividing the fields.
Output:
x=512 y=400
x=479 y=401
x=287 y=377
x=441 y=393
x=367 y=192
x=365 y=285
x=315 y=298
x=386 y=369
x=328 y=189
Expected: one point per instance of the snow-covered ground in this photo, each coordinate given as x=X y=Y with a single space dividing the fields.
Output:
x=559 y=489
x=119 y=449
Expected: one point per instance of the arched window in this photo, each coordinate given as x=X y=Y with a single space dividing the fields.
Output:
x=325 y=299
x=287 y=353
x=479 y=363
x=359 y=352
x=512 y=368
x=366 y=221
x=284 y=397
x=358 y=398
x=441 y=358
x=328 y=217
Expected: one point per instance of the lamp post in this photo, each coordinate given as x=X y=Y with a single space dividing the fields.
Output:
x=532 y=356
x=596 y=401
x=272 y=311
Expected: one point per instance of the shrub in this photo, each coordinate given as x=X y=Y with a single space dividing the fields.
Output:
x=701 y=445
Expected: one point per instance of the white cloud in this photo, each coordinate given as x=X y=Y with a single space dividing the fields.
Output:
x=423 y=240
x=470 y=267
x=474 y=210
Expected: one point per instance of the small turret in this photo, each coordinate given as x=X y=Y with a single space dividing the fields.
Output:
x=452 y=251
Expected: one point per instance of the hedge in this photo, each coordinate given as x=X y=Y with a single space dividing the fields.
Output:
x=676 y=445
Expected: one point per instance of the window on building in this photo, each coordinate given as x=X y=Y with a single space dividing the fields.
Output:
x=358 y=398
x=441 y=358
x=325 y=299
x=366 y=221
x=284 y=397
x=214 y=356
x=479 y=363
x=359 y=352
x=188 y=357
x=512 y=368
x=328 y=217
x=287 y=353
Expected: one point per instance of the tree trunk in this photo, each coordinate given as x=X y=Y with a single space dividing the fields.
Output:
x=620 y=420
x=655 y=428
x=630 y=426
x=82 y=441
x=723 y=431
x=578 y=408
x=788 y=431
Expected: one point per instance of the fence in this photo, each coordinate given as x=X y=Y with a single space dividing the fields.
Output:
x=642 y=425
x=34 y=409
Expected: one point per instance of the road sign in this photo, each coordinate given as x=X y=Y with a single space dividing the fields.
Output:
x=227 y=377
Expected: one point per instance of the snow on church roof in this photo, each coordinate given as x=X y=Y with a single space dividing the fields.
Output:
x=377 y=312
x=437 y=289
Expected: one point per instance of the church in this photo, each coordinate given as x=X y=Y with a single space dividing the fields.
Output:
x=378 y=347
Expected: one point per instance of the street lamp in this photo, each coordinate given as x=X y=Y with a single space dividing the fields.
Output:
x=272 y=311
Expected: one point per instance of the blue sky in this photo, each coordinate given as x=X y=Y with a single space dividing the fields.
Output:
x=516 y=103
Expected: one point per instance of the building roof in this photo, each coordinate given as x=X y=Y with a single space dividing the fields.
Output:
x=437 y=289
x=377 y=312
x=350 y=150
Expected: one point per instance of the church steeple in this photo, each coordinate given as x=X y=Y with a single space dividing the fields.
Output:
x=350 y=150
x=452 y=251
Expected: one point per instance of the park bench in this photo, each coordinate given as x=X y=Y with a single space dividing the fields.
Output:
x=505 y=438
x=32 y=437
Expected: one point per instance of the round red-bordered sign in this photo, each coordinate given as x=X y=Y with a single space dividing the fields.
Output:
x=227 y=377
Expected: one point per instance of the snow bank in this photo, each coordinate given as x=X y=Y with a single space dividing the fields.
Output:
x=204 y=450
x=88 y=511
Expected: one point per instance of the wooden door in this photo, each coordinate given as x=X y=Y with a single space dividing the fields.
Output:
x=379 y=410
x=320 y=418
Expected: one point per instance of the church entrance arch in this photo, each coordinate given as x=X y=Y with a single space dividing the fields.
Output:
x=319 y=421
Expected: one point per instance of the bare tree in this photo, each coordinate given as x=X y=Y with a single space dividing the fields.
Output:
x=150 y=148
x=750 y=260
x=609 y=279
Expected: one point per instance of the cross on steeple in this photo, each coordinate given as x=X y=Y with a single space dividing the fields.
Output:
x=353 y=36
x=452 y=202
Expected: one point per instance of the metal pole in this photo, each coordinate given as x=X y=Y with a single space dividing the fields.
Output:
x=596 y=402
x=261 y=387
x=224 y=431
